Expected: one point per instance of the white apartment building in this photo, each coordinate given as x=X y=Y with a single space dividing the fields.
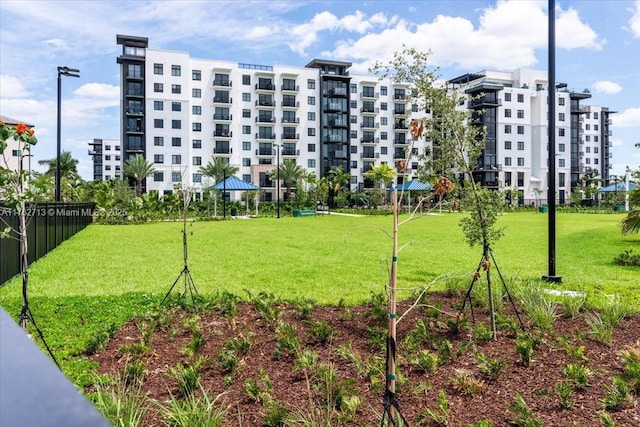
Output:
x=180 y=111
x=107 y=159
x=514 y=108
x=14 y=158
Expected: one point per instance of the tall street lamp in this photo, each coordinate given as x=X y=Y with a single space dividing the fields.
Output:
x=278 y=178
x=69 y=72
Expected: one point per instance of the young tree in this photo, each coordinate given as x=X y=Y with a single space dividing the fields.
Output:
x=138 y=168
x=289 y=173
x=16 y=195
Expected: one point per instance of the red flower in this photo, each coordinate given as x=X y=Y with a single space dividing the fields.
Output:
x=1 y=123
x=31 y=132
x=21 y=128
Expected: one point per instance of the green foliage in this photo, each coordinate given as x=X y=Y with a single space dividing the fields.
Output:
x=564 y=390
x=617 y=396
x=303 y=308
x=275 y=414
x=630 y=357
x=378 y=308
x=239 y=345
x=440 y=416
x=615 y=309
x=606 y=419
x=121 y=405
x=578 y=375
x=542 y=312
x=628 y=258
x=266 y=305
x=599 y=330
x=465 y=382
x=226 y=303
x=202 y=411
x=259 y=389
x=524 y=347
x=490 y=368
x=482 y=334
x=572 y=305
x=188 y=377
x=484 y=207
x=287 y=340
x=321 y=332
x=522 y=415
x=425 y=360
x=227 y=360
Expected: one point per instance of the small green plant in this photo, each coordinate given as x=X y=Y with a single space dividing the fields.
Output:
x=542 y=312
x=377 y=311
x=99 y=339
x=259 y=390
x=303 y=308
x=465 y=383
x=203 y=411
x=575 y=352
x=425 y=360
x=482 y=334
x=618 y=395
x=445 y=351
x=578 y=375
x=564 y=390
x=524 y=347
x=508 y=325
x=133 y=372
x=321 y=332
x=377 y=337
x=490 y=368
x=615 y=309
x=481 y=423
x=607 y=420
x=599 y=330
x=287 y=341
x=226 y=303
x=227 y=360
x=240 y=345
x=439 y=416
x=275 y=414
x=333 y=389
x=266 y=305
x=134 y=349
x=572 y=305
x=523 y=416
x=120 y=404
x=188 y=377
x=197 y=340
x=630 y=357
x=628 y=258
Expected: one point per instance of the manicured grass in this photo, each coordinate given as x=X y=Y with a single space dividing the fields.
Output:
x=326 y=258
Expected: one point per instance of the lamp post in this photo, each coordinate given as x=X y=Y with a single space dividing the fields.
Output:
x=615 y=191
x=69 y=72
x=277 y=179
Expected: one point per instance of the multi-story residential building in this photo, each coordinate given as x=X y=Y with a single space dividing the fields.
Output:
x=180 y=111
x=513 y=107
x=107 y=159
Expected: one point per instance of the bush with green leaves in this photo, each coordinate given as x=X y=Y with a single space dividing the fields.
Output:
x=287 y=340
x=615 y=309
x=490 y=368
x=617 y=396
x=630 y=357
x=578 y=375
x=564 y=390
x=522 y=415
x=425 y=360
x=524 y=347
x=600 y=330
x=121 y=404
x=188 y=376
x=465 y=382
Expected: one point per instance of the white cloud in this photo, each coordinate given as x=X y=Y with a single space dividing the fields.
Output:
x=634 y=21
x=99 y=90
x=572 y=33
x=617 y=142
x=627 y=118
x=606 y=86
x=12 y=87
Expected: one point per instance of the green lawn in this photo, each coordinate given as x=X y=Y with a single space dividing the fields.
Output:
x=327 y=258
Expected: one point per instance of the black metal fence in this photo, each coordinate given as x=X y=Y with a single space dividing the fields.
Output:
x=49 y=224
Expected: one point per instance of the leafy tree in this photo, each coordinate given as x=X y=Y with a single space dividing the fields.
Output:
x=290 y=174
x=138 y=168
x=590 y=183
x=218 y=168
x=338 y=179
x=382 y=175
x=69 y=177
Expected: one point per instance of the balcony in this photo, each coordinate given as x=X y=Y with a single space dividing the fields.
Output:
x=135 y=148
x=333 y=106
x=290 y=88
x=134 y=129
x=370 y=140
x=224 y=117
x=483 y=102
x=365 y=125
x=269 y=87
x=339 y=123
x=369 y=110
x=135 y=111
x=290 y=136
x=265 y=152
x=266 y=103
x=290 y=104
x=399 y=154
x=222 y=150
x=222 y=100
x=265 y=119
x=290 y=152
x=400 y=126
x=399 y=141
x=338 y=91
x=370 y=95
x=400 y=97
x=291 y=120
x=339 y=154
x=333 y=138
x=400 y=112
x=222 y=83
x=222 y=133
x=271 y=136
x=369 y=155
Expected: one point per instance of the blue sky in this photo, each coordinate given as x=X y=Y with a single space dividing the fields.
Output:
x=598 y=48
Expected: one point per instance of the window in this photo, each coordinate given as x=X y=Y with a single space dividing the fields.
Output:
x=507 y=112
x=353 y=134
x=311 y=116
x=521 y=114
x=246 y=113
x=246 y=161
x=520 y=145
x=507 y=161
x=383 y=106
x=311 y=84
x=175 y=176
x=520 y=179
x=383 y=136
x=311 y=163
x=176 y=106
x=507 y=145
x=520 y=97
x=383 y=150
x=507 y=128
x=246 y=130
x=588 y=150
x=197 y=177
x=158 y=176
x=560 y=101
x=246 y=79
x=176 y=124
x=353 y=118
x=196 y=143
x=176 y=159
x=158 y=158
x=158 y=87
x=246 y=177
x=561 y=132
x=588 y=161
x=196 y=126
x=520 y=130
x=196 y=160
x=311 y=131
x=561 y=117
x=311 y=148
x=107 y=147
x=158 y=105
x=117 y=158
x=384 y=121
x=107 y=167
x=246 y=97
x=561 y=179
x=176 y=71
x=595 y=115
x=507 y=96
x=561 y=148
x=383 y=90
x=176 y=89
x=158 y=141
x=18 y=153
x=595 y=138
x=196 y=110
x=595 y=127
x=353 y=88
x=311 y=100
x=561 y=163
x=196 y=75
x=507 y=179
x=196 y=93
x=158 y=123
x=520 y=161
x=157 y=69
x=588 y=127
x=353 y=104
x=353 y=149
x=246 y=145
x=595 y=162
x=595 y=150
x=176 y=141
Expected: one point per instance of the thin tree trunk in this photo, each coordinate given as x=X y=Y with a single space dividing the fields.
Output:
x=24 y=261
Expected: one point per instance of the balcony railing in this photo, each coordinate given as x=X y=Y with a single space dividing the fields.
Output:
x=369 y=110
x=290 y=136
x=264 y=119
x=291 y=120
x=375 y=95
x=370 y=140
x=265 y=103
x=265 y=136
x=290 y=152
x=223 y=133
x=369 y=125
x=222 y=116
x=290 y=88
x=222 y=100
x=221 y=82
x=265 y=152
x=338 y=91
x=222 y=150
x=265 y=86
x=291 y=104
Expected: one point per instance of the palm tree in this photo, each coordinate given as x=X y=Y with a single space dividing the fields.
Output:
x=631 y=224
x=68 y=166
x=338 y=178
x=218 y=168
x=138 y=168
x=382 y=174
x=289 y=173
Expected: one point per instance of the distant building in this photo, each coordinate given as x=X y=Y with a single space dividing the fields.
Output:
x=13 y=155
x=179 y=111
x=107 y=159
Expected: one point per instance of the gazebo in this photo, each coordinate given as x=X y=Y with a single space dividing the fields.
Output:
x=235 y=184
x=413 y=185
